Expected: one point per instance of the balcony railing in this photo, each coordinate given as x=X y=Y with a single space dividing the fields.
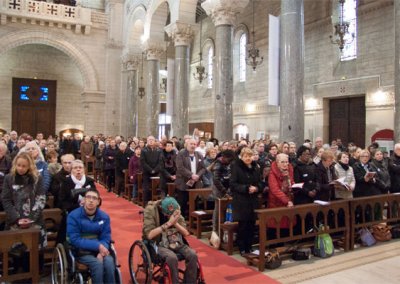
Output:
x=39 y=12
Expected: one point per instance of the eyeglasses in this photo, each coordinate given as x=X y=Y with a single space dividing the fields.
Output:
x=91 y=197
x=364 y=156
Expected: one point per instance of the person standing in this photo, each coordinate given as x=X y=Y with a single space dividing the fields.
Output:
x=168 y=166
x=121 y=165
x=245 y=184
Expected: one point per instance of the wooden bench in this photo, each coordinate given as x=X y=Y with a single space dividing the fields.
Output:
x=171 y=189
x=128 y=186
x=30 y=237
x=155 y=188
x=303 y=212
x=90 y=166
x=199 y=220
x=369 y=211
x=52 y=221
x=140 y=199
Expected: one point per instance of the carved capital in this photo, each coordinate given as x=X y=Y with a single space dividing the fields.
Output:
x=154 y=50
x=223 y=12
x=181 y=33
x=130 y=61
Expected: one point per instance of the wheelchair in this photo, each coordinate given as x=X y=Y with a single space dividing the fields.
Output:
x=66 y=269
x=146 y=266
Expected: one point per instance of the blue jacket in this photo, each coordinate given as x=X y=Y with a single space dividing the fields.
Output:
x=86 y=234
x=42 y=168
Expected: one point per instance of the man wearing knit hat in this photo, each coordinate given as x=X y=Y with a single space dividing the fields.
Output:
x=164 y=224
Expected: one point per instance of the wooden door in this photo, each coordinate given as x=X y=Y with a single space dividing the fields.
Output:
x=347 y=120
x=34 y=106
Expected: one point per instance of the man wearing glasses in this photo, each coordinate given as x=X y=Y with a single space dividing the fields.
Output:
x=89 y=233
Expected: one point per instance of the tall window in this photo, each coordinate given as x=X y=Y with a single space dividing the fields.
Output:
x=350 y=15
x=242 y=57
x=210 y=67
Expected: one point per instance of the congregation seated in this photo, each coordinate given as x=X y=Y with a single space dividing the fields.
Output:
x=89 y=234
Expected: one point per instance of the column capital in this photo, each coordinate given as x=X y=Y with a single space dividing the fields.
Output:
x=223 y=12
x=130 y=61
x=181 y=33
x=154 y=50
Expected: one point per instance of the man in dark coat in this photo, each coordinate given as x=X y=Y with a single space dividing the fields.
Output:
x=190 y=168
x=394 y=169
x=168 y=165
x=121 y=164
x=150 y=159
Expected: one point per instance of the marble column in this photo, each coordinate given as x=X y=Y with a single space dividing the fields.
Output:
x=152 y=96
x=129 y=101
x=292 y=71
x=223 y=14
x=94 y=107
x=182 y=34
x=397 y=72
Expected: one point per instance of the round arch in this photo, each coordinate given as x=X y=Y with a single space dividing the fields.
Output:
x=135 y=14
x=78 y=56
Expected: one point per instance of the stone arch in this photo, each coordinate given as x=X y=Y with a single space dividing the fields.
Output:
x=157 y=19
x=183 y=10
x=134 y=15
x=78 y=56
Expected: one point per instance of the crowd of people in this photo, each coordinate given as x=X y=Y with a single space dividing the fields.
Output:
x=279 y=174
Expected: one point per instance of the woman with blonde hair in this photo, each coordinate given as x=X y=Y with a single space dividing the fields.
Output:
x=24 y=196
x=34 y=151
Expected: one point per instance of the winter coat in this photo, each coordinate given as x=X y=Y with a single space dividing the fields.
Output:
x=42 y=169
x=305 y=173
x=183 y=170
x=276 y=197
x=69 y=196
x=349 y=179
x=364 y=188
x=221 y=176
x=86 y=149
x=99 y=165
x=109 y=158
x=122 y=161
x=382 y=175
x=134 y=168
x=242 y=177
x=5 y=167
x=394 y=170
x=326 y=190
x=150 y=159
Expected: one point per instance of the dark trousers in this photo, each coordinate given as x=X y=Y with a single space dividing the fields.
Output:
x=119 y=183
x=183 y=197
x=146 y=183
x=110 y=178
x=245 y=235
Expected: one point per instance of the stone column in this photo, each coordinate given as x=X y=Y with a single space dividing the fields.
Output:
x=223 y=14
x=94 y=107
x=182 y=34
x=129 y=101
x=397 y=72
x=292 y=71
x=152 y=97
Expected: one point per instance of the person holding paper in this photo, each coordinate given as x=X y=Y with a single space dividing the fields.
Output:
x=382 y=173
x=304 y=172
x=365 y=177
x=325 y=175
x=346 y=182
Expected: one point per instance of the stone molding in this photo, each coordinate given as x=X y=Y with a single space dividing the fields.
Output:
x=91 y=96
x=223 y=12
x=181 y=33
x=130 y=61
x=154 y=50
x=58 y=41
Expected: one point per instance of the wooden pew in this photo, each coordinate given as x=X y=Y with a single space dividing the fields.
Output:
x=128 y=186
x=30 y=237
x=171 y=189
x=369 y=211
x=90 y=166
x=155 y=188
x=303 y=211
x=52 y=221
x=140 y=200
x=199 y=220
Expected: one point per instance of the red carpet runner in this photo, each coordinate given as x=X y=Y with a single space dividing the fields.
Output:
x=126 y=228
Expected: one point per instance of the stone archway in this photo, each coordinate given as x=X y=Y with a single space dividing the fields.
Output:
x=15 y=39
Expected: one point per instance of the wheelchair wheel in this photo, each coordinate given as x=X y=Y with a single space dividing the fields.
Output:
x=59 y=266
x=140 y=265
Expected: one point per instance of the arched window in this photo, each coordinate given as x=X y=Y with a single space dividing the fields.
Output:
x=210 y=57
x=242 y=57
x=350 y=15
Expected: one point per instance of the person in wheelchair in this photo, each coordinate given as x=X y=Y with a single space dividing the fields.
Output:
x=164 y=224
x=89 y=233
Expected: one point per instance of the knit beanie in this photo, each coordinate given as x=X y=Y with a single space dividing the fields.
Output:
x=169 y=205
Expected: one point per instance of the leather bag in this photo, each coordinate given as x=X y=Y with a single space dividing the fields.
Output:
x=382 y=232
x=272 y=259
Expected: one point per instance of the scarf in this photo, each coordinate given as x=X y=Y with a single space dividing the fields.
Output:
x=344 y=166
x=78 y=183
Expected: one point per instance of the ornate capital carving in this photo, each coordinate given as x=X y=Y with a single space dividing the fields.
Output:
x=181 y=33
x=130 y=61
x=154 y=50
x=223 y=12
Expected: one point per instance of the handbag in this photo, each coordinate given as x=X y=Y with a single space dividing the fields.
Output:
x=367 y=239
x=301 y=254
x=272 y=259
x=381 y=232
x=395 y=232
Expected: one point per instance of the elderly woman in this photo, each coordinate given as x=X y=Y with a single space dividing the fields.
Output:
x=24 y=196
x=365 y=178
x=280 y=192
x=72 y=192
x=382 y=173
x=345 y=172
x=325 y=173
x=33 y=149
x=245 y=185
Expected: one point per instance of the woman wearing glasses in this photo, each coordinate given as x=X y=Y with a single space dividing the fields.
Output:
x=365 y=177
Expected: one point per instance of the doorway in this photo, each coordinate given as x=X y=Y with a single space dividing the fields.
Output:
x=34 y=106
x=347 y=120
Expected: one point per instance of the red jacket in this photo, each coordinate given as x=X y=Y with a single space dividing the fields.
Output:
x=276 y=197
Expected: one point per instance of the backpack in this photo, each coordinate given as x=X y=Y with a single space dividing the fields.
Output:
x=323 y=246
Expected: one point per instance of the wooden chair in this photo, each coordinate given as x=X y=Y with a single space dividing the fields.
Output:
x=52 y=220
x=199 y=220
x=139 y=177
x=128 y=186
x=171 y=189
x=90 y=166
x=155 y=188
x=49 y=201
x=29 y=237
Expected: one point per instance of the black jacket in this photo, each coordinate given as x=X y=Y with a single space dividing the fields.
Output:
x=221 y=176
x=364 y=188
x=122 y=161
x=382 y=175
x=242 y=177
x=150 y=160
x=326 y=190
x=305 y=173
x=168 y=164
x=394 y=171
x=68 y=197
